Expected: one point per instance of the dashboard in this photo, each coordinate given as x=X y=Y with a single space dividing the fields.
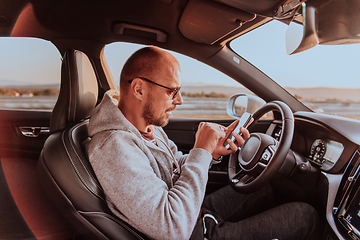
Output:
x=329 y=142
x=332 y=144
x=325 y=153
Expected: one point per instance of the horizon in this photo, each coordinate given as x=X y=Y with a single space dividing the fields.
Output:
x=187 y=84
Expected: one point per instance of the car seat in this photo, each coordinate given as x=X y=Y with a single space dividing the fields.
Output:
x=64 y=170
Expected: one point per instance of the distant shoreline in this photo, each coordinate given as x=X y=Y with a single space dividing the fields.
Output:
x=315 y=94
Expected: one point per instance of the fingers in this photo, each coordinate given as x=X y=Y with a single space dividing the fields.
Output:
x=245 y=134
x=219 y=129
x=233 y=145
x=208 y=135
x=239 y=139
x=233 y=125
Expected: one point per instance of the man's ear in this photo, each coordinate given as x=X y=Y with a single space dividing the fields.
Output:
x=137 y=88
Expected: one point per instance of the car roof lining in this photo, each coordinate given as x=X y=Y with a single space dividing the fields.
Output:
x=96 y=21
x=208 y=22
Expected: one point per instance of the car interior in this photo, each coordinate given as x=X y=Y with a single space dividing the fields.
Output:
x=56 y=194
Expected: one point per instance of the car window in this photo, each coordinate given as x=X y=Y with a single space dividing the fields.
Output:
x=29 y=73
x=205 y=90
x=325 y=78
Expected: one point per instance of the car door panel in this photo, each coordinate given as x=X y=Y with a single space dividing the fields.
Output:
x=13 y=141
x=26 y=212
x=12 y=223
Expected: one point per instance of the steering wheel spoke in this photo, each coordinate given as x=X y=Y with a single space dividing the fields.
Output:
x=245 y=179
x=238 y=176
x=267 y=155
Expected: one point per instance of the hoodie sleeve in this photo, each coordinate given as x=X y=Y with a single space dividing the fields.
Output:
x=123 y=168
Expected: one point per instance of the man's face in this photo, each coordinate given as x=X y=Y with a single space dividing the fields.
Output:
x=160 y=101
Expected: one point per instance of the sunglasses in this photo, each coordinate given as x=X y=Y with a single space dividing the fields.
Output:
x=174 y=90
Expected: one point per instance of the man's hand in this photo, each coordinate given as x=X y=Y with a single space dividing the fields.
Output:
x=220 y=150
x=209 y=135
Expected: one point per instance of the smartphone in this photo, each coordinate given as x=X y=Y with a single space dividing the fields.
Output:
x=244 y=122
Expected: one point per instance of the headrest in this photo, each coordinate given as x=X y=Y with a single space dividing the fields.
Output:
x=78 y=91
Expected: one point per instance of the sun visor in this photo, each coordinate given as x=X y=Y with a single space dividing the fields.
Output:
x=28 y=25
x=207 y=22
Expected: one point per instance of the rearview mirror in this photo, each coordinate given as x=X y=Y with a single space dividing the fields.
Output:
x=330 y=22
x=301 y=33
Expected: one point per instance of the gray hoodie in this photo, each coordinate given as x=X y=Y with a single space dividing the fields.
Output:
x=136 y=175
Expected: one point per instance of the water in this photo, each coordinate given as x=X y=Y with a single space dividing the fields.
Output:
x=346 y=109
x=38 y=103
x=192 y=107
x=202 y=106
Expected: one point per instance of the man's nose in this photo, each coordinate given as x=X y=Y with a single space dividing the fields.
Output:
x=178 y=99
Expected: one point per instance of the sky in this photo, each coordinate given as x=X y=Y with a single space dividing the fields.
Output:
x=192 y=71
x=38 y=59
x=321 y=66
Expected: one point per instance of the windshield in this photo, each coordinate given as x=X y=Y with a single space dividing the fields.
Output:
x=324 y=78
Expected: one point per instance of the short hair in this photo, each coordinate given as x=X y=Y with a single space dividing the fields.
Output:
x=143 y=62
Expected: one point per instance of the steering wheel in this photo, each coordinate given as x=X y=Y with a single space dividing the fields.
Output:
x=261 y=156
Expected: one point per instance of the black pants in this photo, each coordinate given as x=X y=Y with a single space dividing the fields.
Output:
x=257 y=216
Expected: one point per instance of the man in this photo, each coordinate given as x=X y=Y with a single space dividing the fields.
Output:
x=147 y=181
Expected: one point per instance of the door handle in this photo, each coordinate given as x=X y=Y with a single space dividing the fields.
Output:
x=33 y=131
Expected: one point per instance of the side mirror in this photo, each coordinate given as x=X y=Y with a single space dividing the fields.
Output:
x=242 y=102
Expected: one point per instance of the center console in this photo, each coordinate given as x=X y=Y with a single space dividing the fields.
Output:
x=347 y=203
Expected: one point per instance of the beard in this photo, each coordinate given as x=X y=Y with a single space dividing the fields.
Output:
x=151 y=119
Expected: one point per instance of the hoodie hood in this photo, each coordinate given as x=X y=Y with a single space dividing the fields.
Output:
x=107 y=116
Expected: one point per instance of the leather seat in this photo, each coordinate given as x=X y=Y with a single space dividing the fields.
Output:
x=63 y=167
